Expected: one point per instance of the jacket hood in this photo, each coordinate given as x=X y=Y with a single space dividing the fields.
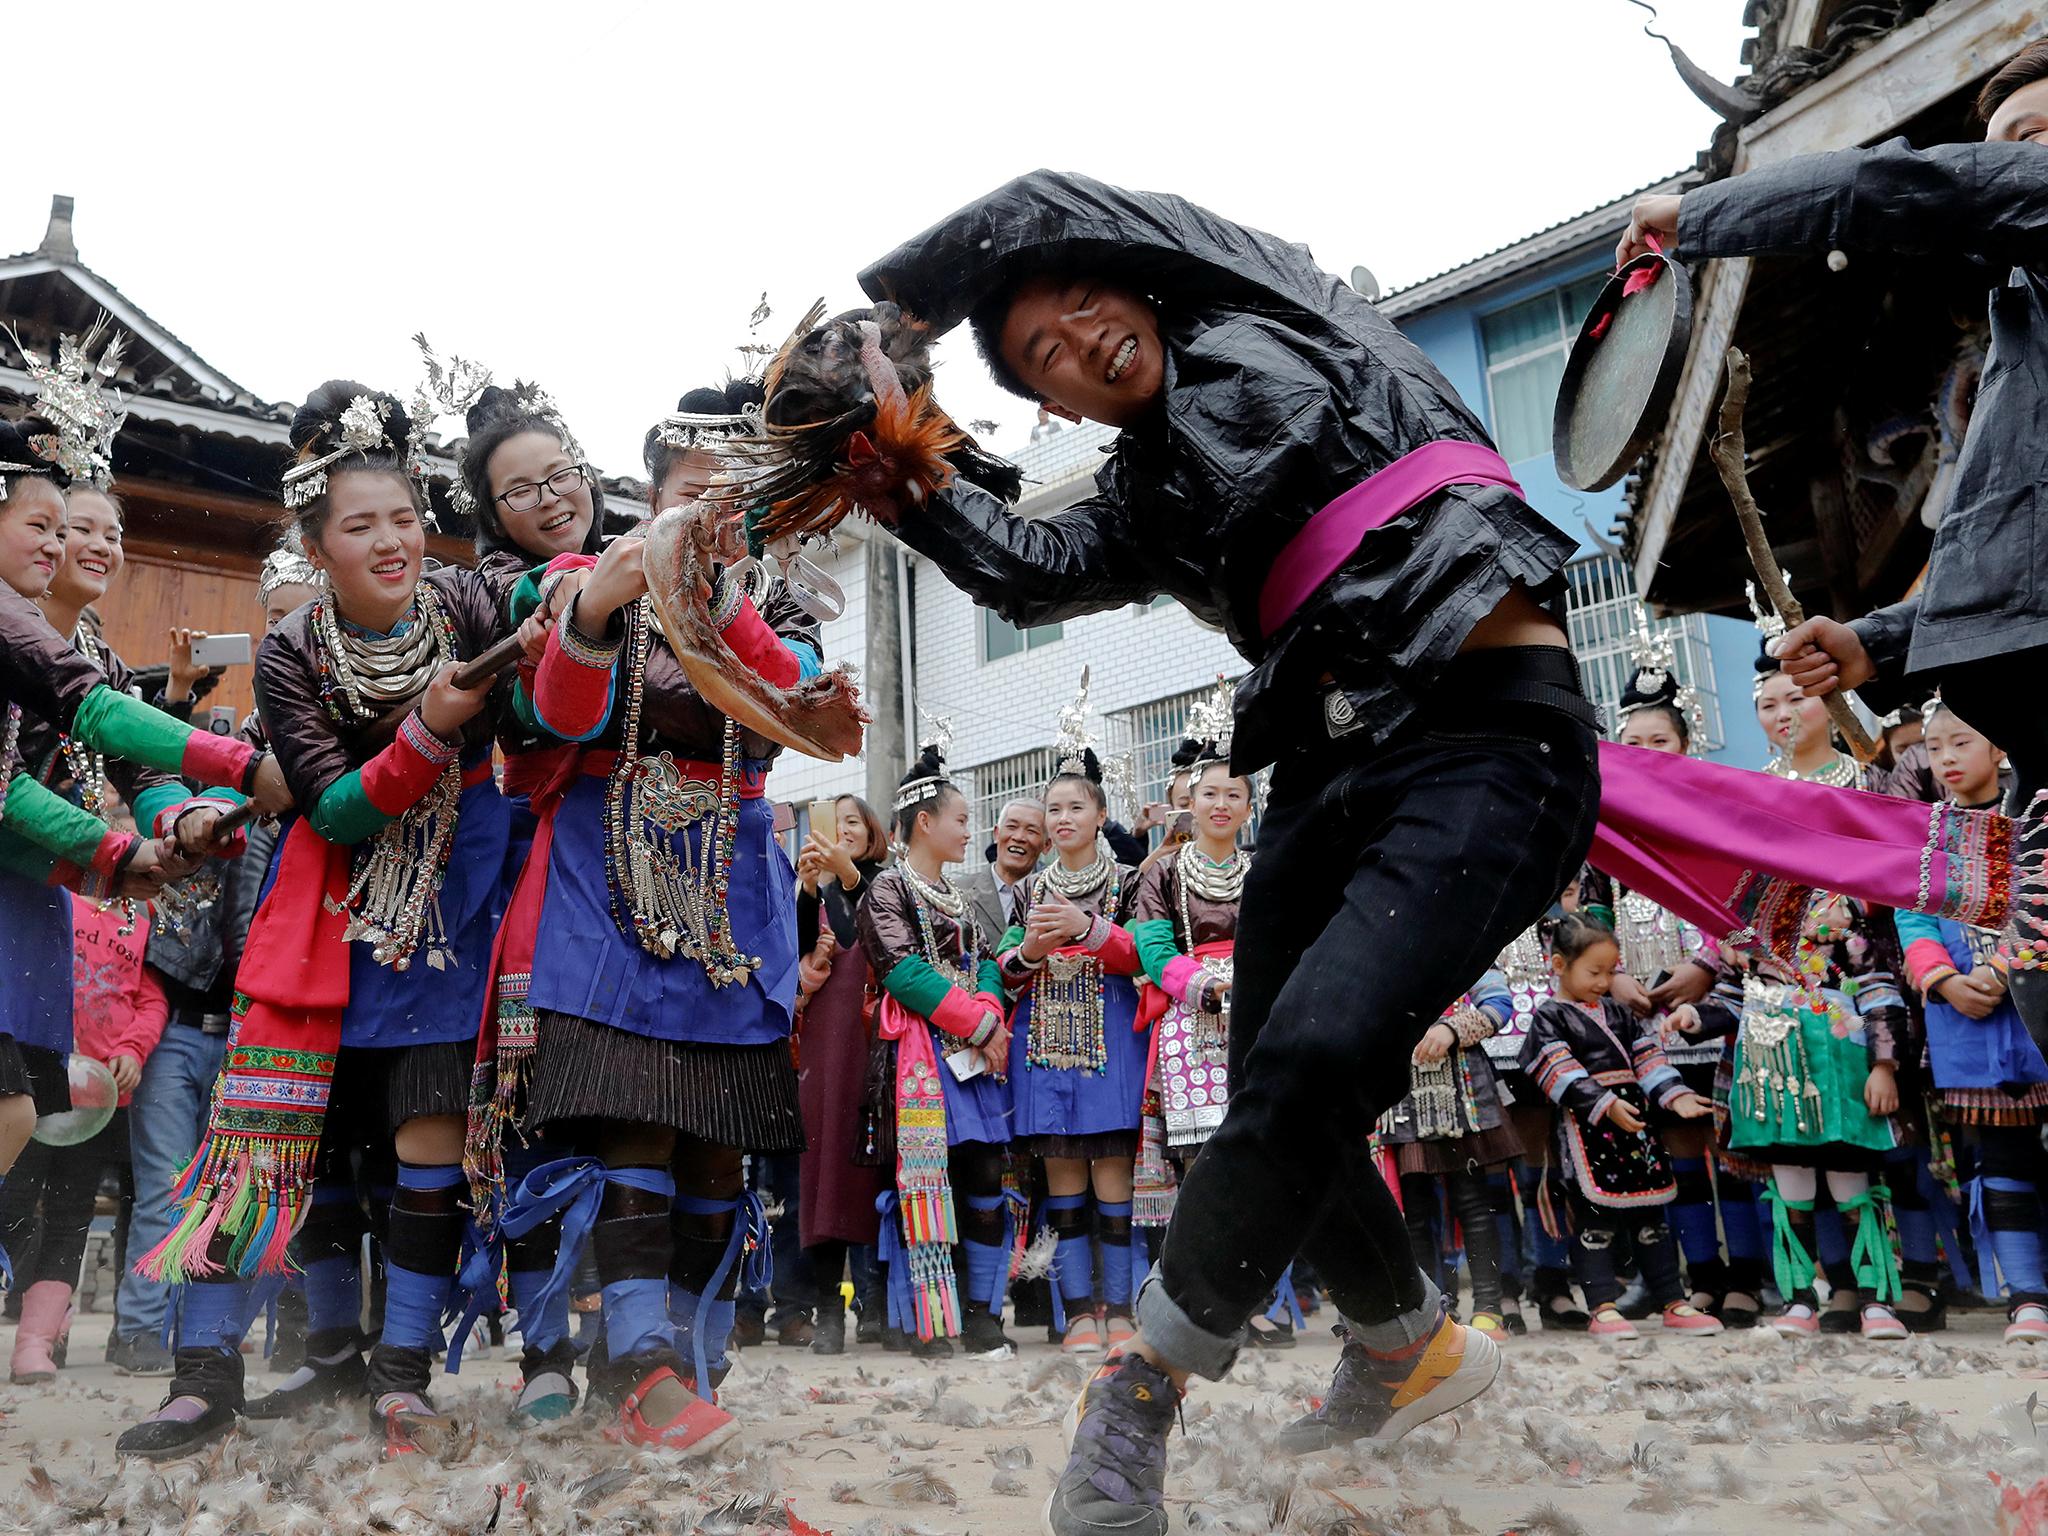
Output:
x=1163 y=245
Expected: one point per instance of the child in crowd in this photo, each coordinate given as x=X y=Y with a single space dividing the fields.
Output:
x=1990 y=1079
x=1604 y=1071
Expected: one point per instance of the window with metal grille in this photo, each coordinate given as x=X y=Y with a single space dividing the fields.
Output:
x=1526 y=345
x=1150 y=733
x=1601 y=614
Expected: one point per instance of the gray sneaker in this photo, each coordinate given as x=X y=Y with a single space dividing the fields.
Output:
x=140 y=1354
x=1115 y=1480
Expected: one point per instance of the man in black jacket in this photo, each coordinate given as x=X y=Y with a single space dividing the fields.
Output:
x=1435 y=781
x=1978 y=629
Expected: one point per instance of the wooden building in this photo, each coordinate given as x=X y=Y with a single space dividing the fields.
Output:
x=1865 y=365
x=196 y=467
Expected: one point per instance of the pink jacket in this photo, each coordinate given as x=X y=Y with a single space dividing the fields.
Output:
x=120 y=1009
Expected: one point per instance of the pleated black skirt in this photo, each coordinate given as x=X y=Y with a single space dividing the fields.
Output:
x=733 y=1095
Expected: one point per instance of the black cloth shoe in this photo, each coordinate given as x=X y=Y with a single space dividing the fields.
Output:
x=1842 y=1319
x=928 y=1349
x=1032 y=1302
x=749 y=1330
x=831 y=1335
x=139 y=1354
x=982 y=1336
x=1115 y=1479
x=316 y=1384
x=214 y=1378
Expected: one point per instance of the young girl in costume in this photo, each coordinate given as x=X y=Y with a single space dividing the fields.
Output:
x=1452 y=1127
x=1184 y=920
x=944 y=1011
x=839 y=1175
x=1605 y=1071
x=1657 y=714
x=664 y=971
x=1990 y=1079
x=59 y=708
x=523 y=480
x=1077 y=1057
x=365 y=968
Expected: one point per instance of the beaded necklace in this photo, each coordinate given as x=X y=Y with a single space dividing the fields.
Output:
x=925 y=898
x=669 y=896
x=89 y=769
x=1213 y=882
x=394 y=897
x=1066 y=1031
x=9 y=735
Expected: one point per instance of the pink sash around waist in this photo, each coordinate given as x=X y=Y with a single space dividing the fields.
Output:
x=1329 y=538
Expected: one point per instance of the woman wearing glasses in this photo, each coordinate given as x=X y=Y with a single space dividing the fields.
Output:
x=664 y=964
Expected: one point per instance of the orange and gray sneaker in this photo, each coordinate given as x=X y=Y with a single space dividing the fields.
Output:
x=411 y=1424
x=1114 y=1483
x=698 y=1429
x=1376 y=1397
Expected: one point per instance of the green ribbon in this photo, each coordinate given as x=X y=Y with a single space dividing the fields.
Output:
x=1870 y=1256
x=1792 y=1266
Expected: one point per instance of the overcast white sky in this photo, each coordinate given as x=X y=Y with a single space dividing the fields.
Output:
x=595 y=194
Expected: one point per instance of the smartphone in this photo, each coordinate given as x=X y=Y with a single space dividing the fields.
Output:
x=221 y=651
x=966 y=1065
x=1182 y=829
x=825 y=820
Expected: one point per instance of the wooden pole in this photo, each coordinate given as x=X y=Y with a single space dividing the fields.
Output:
x=1730 y=454
x=501 y=657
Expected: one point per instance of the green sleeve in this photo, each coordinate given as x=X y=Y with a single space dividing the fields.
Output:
x=988 y=977
x=524 y=599
x=1011 y=939
x=19 y=856
x=155 y=800
x=914 y=984
x=126 y=727
x=45 y=818
x=1156 y=946
x=344 y=813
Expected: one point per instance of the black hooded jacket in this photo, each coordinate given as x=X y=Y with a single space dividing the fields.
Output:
x=1284 y=388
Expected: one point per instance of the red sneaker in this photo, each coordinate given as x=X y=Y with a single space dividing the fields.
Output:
x=698 y=1430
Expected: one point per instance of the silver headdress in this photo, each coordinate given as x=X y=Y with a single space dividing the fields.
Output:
x=1653 y=678
x=450 y=389
x=1212 y=717
x=938 y=740
x=70 y=394
x=286 y=566
x=363 y=430
x=1072 y=744
x=710 y=431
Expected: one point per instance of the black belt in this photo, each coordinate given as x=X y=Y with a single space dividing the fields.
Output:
x=205 y=1023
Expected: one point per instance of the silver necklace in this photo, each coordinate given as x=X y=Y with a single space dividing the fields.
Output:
x=940 y=897
x=1210 y=880
x=1074 y=884
x=374 y=672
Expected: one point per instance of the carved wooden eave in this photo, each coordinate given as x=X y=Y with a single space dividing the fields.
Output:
x=1917 y=66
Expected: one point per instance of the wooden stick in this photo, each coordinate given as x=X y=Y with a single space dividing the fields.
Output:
x=1730 y=455
x=501 y=657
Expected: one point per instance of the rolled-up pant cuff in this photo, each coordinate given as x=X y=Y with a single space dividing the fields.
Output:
x=1403 y=1328
x=1176 y=1338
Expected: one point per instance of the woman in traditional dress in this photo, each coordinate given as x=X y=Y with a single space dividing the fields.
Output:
x=1077 y=1052
x=364 y=972
x=944 y=1011
x=840 y=1173
x=665 y=968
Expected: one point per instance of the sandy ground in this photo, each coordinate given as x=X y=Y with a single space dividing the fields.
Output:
x=1741 y=1434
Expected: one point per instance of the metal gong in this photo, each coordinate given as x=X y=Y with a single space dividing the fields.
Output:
x=1622 y=373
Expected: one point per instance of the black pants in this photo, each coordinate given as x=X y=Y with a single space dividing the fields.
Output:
x=1470 y=1205
x=2000 y=696
x=46 y=1205
x=1601 y=1227
x=1387 y=880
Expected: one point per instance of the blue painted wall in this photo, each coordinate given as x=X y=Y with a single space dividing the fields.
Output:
x=1449 y=334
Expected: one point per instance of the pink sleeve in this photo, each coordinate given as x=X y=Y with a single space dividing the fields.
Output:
x=211 y=759
x=1116 y=949
x=1182 y=975
x=399 y=777
x=760 y=647
x=145 y=1025
x=1927 y=960
x=572 y=689
x=960 y=1014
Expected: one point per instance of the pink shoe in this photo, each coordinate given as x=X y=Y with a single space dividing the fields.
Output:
x=2029 y=1324
x=1684 y=1317
x=1797 y=1321
x=1118 y=1330
x=1608 y=1323
x=698 y=1430
x=45 y=1317
x=1881 y=1322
